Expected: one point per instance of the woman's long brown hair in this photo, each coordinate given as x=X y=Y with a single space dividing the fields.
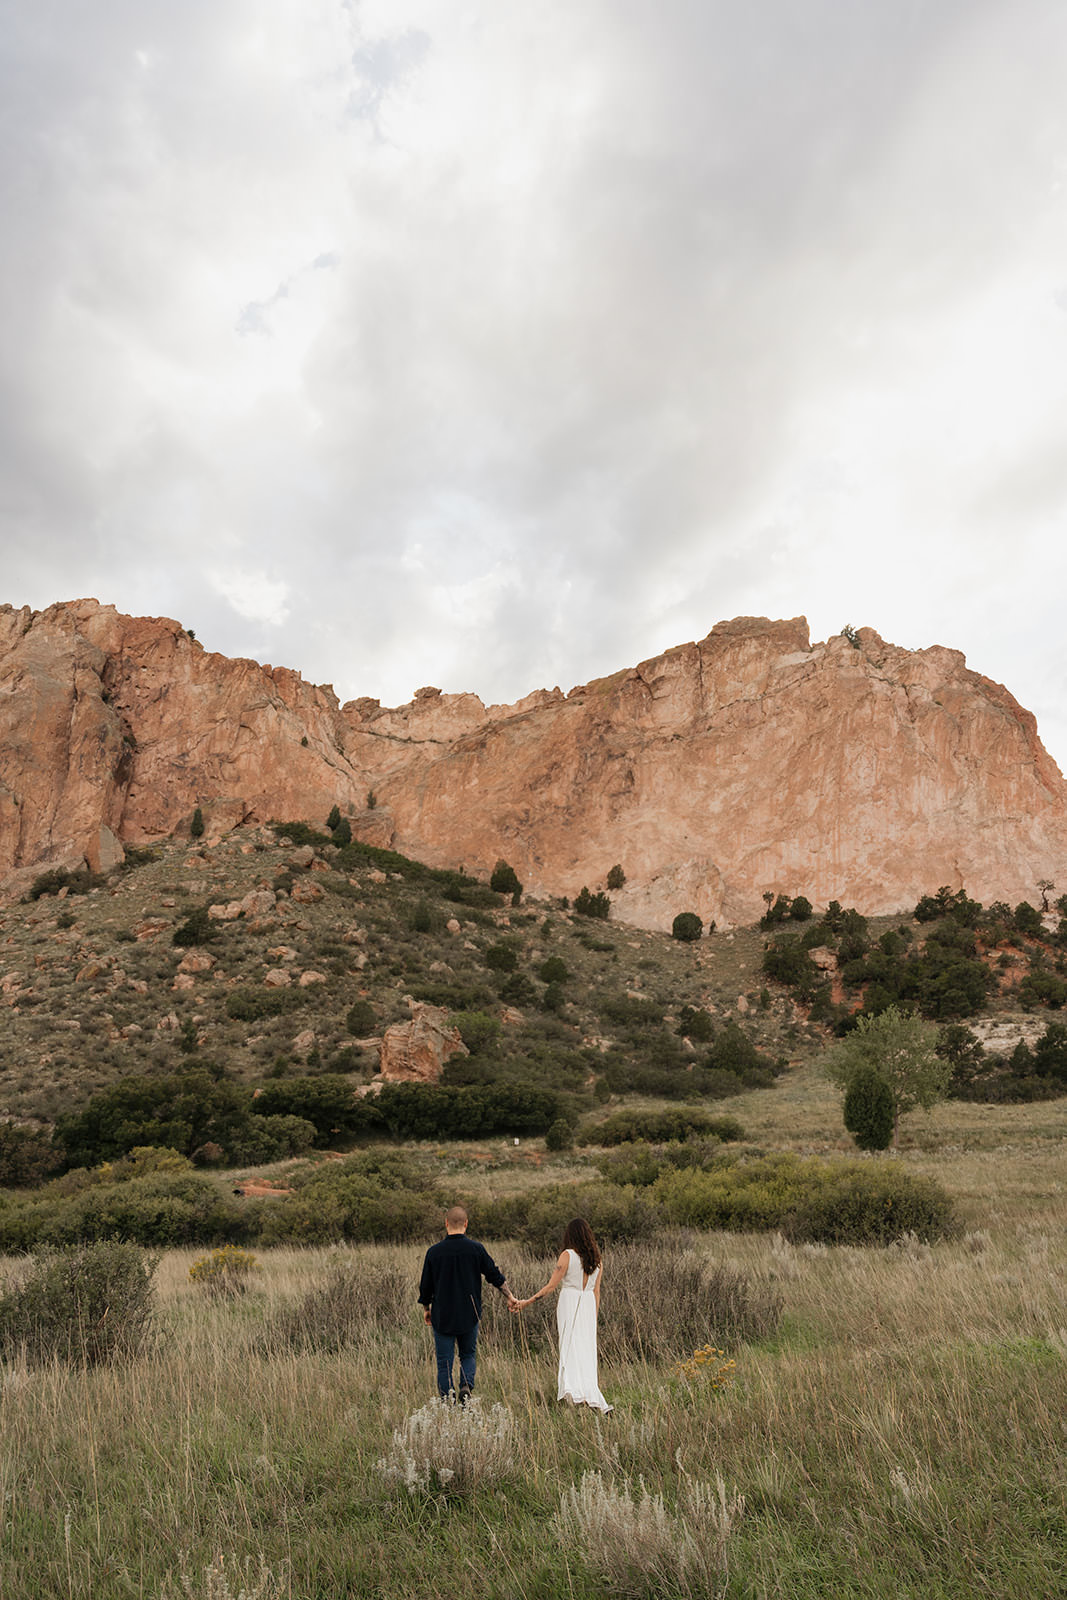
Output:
x=579 y=1237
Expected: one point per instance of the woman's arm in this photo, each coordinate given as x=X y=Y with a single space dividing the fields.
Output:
x=596 y=1289
x=552 y=1284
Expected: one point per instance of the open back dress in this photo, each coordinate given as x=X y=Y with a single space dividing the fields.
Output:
x=576 y=1323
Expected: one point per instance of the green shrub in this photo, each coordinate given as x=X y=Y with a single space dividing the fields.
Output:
x=426 y=918
x=592 y=905
x=559 y=1135
x=695 y=1023
x=88 y=1306
x=27 y=1156
x=505 y=880
x=326 y=1101
x=430 y=1111
x=628 y=1011
x=78 y=882
x=616 y=878
x=869 y=1109
x=518 y=990
x=478 y=1030
x=196 y=824
x=641 y=1163
x=299 y=833
x=357 y=1300
x=554 y=997
x=226 y=1272
x=872 y=1202
x=660 y=1126
x=342 y=834
x=502 y=957
x=180 y=1113
x=378 y=1197
x=252 y=1005
x=687 y=926
x=616 y=1215
x=847 y=1202
x=554 y=970
x=361 y=1019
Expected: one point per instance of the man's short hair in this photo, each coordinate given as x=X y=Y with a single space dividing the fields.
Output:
x=455 y=1217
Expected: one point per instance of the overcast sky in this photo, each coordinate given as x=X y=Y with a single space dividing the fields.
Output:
x=498 y=346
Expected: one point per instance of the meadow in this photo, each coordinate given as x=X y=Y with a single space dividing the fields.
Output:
x=894 y=1423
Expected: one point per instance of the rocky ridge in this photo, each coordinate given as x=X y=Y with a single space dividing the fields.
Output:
x=750 y=761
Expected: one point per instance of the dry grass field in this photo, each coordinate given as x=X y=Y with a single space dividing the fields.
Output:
x=900 y=1434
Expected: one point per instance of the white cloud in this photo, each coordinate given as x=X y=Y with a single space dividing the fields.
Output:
x=414 y=342
x=253 y=595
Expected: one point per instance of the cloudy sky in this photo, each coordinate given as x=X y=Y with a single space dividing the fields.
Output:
x=497 y=346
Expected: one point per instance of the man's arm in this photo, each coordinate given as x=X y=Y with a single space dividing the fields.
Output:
x=492 y=1274
x=426 y=1291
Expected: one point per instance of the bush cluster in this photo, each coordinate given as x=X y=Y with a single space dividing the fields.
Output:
x=88 y=1306
x=659 y=1126
x=1037 y=1074
x=354 y=1300
x=845 y=1202
x=184 y=1112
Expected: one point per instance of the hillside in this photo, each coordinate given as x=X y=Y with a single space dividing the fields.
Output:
x=300 y=956
x=752 y=761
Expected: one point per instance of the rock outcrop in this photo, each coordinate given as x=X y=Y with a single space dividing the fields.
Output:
x=751 y=761
x=416 y=1051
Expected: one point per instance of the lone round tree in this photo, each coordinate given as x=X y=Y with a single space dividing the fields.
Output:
x=902 y=1050
x=687 y=926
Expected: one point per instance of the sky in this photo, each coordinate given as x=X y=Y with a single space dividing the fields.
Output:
x=499 y=346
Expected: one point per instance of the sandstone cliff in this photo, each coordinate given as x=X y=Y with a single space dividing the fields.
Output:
x=750 y=761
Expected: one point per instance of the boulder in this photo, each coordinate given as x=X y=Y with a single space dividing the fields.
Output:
x=416 y=1051
x=305 y=893
x=196 y=961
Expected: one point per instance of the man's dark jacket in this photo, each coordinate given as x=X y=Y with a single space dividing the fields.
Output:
x=451 y=1282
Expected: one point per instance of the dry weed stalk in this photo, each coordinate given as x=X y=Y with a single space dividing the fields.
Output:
x=642 y=1548
x=452 y=1449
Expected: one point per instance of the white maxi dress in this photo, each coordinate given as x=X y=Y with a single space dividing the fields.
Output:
x=576 y=1324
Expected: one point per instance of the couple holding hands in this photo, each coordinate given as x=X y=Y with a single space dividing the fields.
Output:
x=450 y=1294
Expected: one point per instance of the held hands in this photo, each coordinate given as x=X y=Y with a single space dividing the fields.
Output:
x=520 y=1305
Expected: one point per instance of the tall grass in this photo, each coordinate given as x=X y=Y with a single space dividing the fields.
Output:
x=898 y=1432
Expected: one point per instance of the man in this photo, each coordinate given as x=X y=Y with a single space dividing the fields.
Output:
x=450 y=1294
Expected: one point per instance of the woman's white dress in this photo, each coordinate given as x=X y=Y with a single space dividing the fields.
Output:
x=576 y=1323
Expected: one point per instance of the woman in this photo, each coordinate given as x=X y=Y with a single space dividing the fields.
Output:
x=577 y=1277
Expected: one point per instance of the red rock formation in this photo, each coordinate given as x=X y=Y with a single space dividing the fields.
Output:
x=416 y=1051
x=750 y=761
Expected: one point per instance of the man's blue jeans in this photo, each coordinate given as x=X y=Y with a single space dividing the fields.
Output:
x=445 y=1344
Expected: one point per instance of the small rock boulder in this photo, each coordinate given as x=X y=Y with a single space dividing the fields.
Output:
x=416 y=1051
x=277 y=978
x=305 y=892
x=196 y=961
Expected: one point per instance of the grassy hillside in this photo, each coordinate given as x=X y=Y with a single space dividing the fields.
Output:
x=885 y=1423
x=89 y=978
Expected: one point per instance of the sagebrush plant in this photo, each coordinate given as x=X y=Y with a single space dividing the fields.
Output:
x=639 y=1546
x=711 y=1366
x=353 y=1303
x=90 y=1305
x=659 y=1297
x=228 y=1578
x=452 y=1449
x=226 y=1271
